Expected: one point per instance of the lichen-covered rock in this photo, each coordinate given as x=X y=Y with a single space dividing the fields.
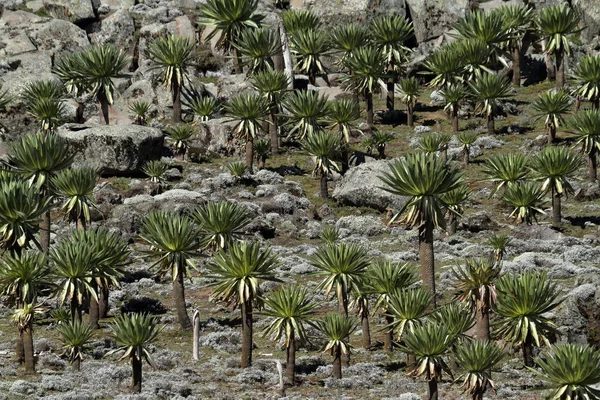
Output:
x=76 y=11
x=117 y=29
x=361 y=187
x=59 y=36
x=217 y=136
x=432 y=18
x=368 y=225
x=113 y=149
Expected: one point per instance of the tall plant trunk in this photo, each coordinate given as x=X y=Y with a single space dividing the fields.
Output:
x=516 y=67
x=79 y=112
x=343 y=310
x=274 y=131
x=550 y=68
x=45 y=232
x=81 y=224
x=577 y=104
x=290 y=361
x=324 y=192
x=337 y=362
x=381 y=152
x=237 y=61
x=27 y=335
x=551 y=133
x=176 y=97
x=389 y=102
x=103 y=109
x=490 y=124
x=455 y=127
x=452 y=224
x=560 y=69
x=433 y=387
x=249 y=153
x=345 y=158
x=94 y=315
x=595 y=103
x=426 y=258
x=556 y=207
x=364 y=323
x=19 y=350
x=482 y=320
x=103 y=301
x=247 y=333
x=179 y=300
x=527 y=350
x=592 y=165
x=75 y=309
x=410 y=115
x=369 y=98
x=76 y=364
x=466 y=152
x=388 y=335
x=136 y=367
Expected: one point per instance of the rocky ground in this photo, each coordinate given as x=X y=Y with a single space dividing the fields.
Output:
x=287 y=214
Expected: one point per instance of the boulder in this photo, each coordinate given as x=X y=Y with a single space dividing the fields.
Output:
x=433 y=18
x=364 y=225
x=480 y=221
x=348 y=10
x=217 y=136
x=59 y=36
x=117 y=29
x=114 y=149
x=76 y=11
x=590 y=14
x=361 y=187
x=114 y=5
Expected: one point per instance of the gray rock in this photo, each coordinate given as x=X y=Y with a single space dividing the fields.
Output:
x=217 y=136
x=264 y=176
x=489 y=142
x=361 y=187
x=180 y=196
x=117 y=29
x=113 y=149
x=266 y=190
x=368 y=225
x=404 y=396
x=590 y=12
x=587 y=191
x=32 y=67
x=419 y=129
x=59 y=36
x=285 y=203
x=436 y=98
x=433 y=18
x=480 y=221
x=114 y=5
x=76 y=11
x=220 y=181
x=19 y=44
x=173 y=174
